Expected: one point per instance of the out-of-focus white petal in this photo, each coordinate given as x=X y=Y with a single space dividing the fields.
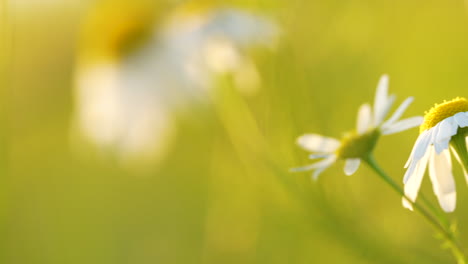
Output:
x=403 y=125
x=380 y=101
x=325 y=165
x=98 y=103
x=351 y=166
x=149 y=132
x=391 y=99
x=385 y=109
x=328 y=159
x=399 y=112
x=364 y=118
x=221 y=55
x=440 y=173
x=414 y=181
x=244 y=28
x=318 y=143
x=461 y=119
x=318 y=156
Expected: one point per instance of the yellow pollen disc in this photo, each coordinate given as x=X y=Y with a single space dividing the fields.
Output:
x=113 y=29
x=442 y=111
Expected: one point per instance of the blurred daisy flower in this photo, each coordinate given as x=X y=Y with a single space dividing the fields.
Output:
x=136 y=68
x=358 y=145
x=444 y=128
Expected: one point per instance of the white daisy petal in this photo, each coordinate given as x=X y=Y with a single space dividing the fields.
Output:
x=440 y=173
x=421 y=136
x=326 y=163
x=351 y=166
x=399 y=112
x=454 y=127
x=461 y=119
x=409 y=172
x=422 y=144
x=303 y=168
x=414 y=181
x=434 y=132
x=419 y=150
x=364 y=118
x=384 y=110
x=406 y=204
x=318 y=156
x=380 y=101
x=316 y=165
x=447 y=128
x=403 y=125
x=317 y=172
x=391 y=99
x=318 y=143
x=408 y=162
x=439 y=145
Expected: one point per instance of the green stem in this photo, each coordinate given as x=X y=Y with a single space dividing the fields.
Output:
x=457 y=250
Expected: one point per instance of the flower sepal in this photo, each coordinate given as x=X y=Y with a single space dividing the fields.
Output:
x=355 y=145
x=458 y=144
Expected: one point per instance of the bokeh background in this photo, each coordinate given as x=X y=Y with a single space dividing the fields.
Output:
x=221 y=191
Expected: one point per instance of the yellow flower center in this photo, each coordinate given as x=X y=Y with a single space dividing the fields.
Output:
x=115 y=28
x=354 y=145
x=442 y=111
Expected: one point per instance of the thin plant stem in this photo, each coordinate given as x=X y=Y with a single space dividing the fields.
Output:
x=457 y=250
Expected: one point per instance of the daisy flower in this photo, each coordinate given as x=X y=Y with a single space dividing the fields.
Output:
x=137 y=69
x=357 y=145
x=444 y=128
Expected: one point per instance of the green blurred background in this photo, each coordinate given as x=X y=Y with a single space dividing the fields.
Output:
x=223 y=194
